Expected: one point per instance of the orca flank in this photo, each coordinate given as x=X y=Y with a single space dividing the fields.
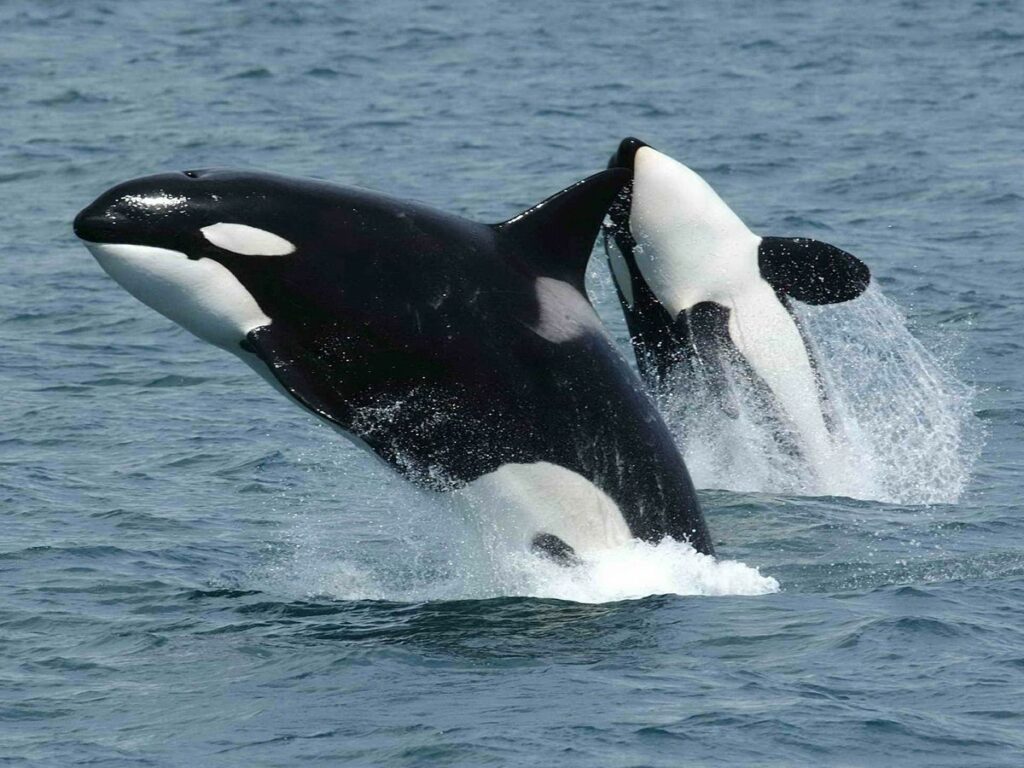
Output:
x=464 y=355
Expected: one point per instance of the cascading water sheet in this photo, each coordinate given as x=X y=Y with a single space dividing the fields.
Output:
x=902 y=423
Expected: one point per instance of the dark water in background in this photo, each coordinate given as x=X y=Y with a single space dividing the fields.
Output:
x=192 y=572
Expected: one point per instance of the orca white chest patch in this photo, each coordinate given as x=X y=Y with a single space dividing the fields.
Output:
x=199 y=294
x=768 y=338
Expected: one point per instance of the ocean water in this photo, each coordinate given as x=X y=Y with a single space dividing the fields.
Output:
x=193 y=572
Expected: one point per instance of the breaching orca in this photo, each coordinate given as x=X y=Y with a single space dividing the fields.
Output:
x=701 y=292
x=464 y=355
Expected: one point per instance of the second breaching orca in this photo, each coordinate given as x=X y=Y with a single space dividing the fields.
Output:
x=701 y=292
x=464 y=355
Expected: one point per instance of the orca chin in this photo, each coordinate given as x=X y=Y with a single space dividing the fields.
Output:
x=201 y=295
x=464 y=355
x=701 y=292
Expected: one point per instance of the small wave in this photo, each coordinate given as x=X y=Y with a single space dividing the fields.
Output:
x=255 y=73
x=68 y=97
x=175 y=380
x=328 y=72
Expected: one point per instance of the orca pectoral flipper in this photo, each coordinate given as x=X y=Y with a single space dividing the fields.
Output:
x=300 y=372
x=811 y=271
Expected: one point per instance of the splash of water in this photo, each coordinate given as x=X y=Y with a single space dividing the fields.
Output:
x=904 y=432
x=630 y=571
x=903 y=427
x=442 y=555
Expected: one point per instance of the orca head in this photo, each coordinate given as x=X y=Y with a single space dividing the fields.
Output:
x=185 y=244
x=689 y=246
x=185 y=212
x=677 y=244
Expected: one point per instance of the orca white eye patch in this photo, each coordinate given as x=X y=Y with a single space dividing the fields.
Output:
x=247 y=241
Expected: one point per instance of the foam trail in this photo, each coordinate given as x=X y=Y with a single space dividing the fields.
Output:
x=638 y=569
x=904 y=429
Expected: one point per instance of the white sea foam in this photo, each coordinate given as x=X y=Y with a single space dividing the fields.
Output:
x=635 y=570
x=630 y=571
x=424 y=566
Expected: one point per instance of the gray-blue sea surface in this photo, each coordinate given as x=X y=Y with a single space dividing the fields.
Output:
x=194 y=572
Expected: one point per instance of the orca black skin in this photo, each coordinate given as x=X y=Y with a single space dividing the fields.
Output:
x=700 y=292
x=447 y=347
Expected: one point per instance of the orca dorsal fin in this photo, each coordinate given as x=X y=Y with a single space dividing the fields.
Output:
x=811 y=271
x=559 y=232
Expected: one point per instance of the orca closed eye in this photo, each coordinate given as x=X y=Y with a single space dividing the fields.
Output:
x=247 y=241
